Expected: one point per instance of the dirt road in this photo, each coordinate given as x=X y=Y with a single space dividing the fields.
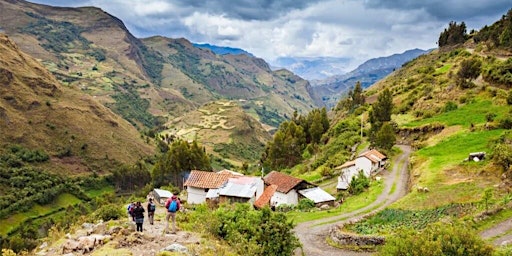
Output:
x=313 y=234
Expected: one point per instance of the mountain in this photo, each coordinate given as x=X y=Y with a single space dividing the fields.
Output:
x=148 y=81
x=79 y=133
x=223 y=50
x=331 y=89
x=313 y=68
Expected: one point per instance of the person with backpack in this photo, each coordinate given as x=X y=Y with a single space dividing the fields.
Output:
x=151 y=211
x=172 y=205
x=129 y=209
x=138 y=215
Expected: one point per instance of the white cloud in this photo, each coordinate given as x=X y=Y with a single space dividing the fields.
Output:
x=353 y=29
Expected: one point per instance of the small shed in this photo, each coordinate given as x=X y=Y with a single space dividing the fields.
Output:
x=476 y=156
x=161 y=195
x=318 y=195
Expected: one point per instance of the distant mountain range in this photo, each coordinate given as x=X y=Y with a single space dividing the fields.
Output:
x=223 y=50
x=314 y=68
x=329 y=91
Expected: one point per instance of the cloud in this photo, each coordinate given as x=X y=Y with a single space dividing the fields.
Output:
x=352 y=29
x=446 y=9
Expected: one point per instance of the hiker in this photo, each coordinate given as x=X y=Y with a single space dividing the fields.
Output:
x=138 y=215
x=129 y=210
x=172 y=205
x=151 y=211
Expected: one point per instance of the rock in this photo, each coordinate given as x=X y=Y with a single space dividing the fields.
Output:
x=70 y=245
x=175 y=248
x=100 y=228
x=324 y=207
x=86 y=243
x=43 y=245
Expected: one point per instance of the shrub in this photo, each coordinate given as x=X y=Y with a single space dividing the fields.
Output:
x=109 y=212
x=437 y=239
x=359 y=184
x=306 y=204
x=449 y=106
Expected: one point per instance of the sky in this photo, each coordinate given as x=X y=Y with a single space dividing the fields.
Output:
x=354 y=29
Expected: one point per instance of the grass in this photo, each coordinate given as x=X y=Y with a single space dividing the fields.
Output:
x=15 y=220
x=99 y=192
x=493 y=220
x=434 y=165
x=471 y=113
x=454 y=149
x=443 y=69
x=350 y=204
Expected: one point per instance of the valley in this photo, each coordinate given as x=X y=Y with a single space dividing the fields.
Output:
x=93 y=117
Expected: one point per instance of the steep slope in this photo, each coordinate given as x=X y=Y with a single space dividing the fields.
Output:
x=205 y=76
x=37 y=112
x=91 y=50
x=225 y=130
x=331 y=89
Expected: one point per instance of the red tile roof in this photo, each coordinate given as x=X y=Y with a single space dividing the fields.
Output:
x=373 y=155
x=284 y=182
x=202 y=179
x=264 y=199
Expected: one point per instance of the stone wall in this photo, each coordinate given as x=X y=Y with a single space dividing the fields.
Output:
x=338 y=236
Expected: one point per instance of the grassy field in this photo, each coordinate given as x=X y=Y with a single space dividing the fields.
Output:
x=61 y=202
x=442 y=169
x=350 y=204
x=471 y=113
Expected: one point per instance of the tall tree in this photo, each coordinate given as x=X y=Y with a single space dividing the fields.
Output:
x=380 y=113
x=181 y=157
x=454 y=34
x=385 y=138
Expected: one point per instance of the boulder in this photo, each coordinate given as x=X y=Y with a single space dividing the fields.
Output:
x=176 y=248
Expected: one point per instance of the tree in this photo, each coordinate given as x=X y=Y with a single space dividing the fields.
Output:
x=385 y=137
x=380 y=113
x=469 y=69
x=454 y=34
x=182 y=156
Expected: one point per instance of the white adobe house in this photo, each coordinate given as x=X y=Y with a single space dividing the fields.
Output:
x=348 y=170
x=368 y=162
x=199 y=184
x=287 y=187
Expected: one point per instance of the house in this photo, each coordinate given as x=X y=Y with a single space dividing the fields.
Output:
x=287 y=187
x=264 y=199
x=241 y=189
x=318 y=195
x=199 y=184
x=368 y=162
x=348 y=170
x=161 y=195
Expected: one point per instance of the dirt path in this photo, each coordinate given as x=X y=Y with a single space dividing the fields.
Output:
x=313 y=234
x=499 y=234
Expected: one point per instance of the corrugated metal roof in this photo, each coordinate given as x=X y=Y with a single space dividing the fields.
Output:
x=202 y=179
x=212 y=193
x=244 y=187
x=264 y=199
x=317 y=194
x=284 y=182
x=163 y=192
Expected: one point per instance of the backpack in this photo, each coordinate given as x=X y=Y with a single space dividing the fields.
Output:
x=173 y=206
x=152 y=207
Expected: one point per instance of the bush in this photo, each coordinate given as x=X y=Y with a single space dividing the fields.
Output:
x=306 y=204
x=109 y=212
x=437 y=239
x=359 y=184
x=449 y=106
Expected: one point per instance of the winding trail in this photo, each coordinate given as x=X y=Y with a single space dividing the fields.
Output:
x=500 y=234
x=313 y=234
